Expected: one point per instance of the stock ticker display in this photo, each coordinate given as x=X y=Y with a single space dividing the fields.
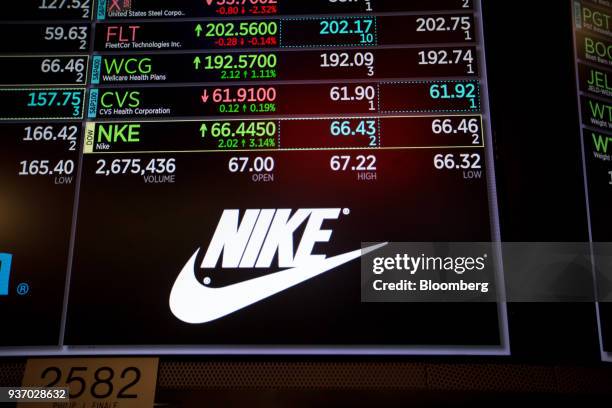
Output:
x=593 y=37
x=155 y=153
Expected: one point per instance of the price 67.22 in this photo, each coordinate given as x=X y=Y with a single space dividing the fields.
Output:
x=105 y=382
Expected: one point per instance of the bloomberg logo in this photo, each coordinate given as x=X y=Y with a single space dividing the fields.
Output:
x=5 y=273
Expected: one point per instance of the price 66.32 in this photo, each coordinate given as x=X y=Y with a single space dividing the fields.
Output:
x=463 y=161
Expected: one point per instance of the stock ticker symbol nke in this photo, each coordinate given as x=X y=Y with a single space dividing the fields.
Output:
x=5 y=273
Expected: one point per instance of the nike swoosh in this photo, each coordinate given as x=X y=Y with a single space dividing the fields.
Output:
x=194 y=303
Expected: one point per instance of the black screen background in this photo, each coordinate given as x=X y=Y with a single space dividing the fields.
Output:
x=538 y=162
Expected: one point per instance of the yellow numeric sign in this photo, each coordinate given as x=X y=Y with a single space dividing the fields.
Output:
x=95 y=382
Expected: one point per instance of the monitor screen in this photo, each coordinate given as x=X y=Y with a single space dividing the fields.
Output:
x=287 y=177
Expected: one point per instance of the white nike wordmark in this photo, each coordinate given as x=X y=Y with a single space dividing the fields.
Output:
x=194 y=303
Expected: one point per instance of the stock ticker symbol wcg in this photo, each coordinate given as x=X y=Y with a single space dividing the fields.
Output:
x=5 y=272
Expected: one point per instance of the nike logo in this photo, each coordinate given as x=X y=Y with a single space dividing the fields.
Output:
x=194 y=303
